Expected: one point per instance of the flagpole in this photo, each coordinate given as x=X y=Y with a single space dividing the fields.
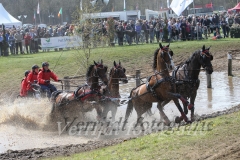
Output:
x=124 y=5
x=62 y=17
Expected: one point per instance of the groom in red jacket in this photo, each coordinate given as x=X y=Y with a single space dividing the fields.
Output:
x=44 y=77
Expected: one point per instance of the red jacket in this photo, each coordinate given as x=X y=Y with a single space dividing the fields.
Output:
x=27 y=39
x=23 y=92
x=46 y=75
x=32 y=76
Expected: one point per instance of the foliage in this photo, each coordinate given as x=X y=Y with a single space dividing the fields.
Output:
x=165 y=29
x=110 y=29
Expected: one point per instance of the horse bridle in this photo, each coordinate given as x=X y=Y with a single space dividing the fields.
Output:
x=116 y=68
x=162 y=56
x=95 y=74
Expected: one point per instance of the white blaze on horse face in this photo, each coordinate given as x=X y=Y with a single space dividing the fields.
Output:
x=172 y=63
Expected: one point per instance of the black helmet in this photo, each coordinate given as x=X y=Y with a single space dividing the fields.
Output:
x=34 y=67
x=45 y=64
x=26 y=73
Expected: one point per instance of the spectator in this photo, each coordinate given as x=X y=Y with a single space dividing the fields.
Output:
x=129 y=32
x=157 y=28
x=11 y=42
x=198 y=31
x=138 y=29
x=224 y=25
x=27 y=39
x=18 y=41
x=46 y=35
x=32 y=43
x=151 y=33
x=145 y=28
x=217 y=34
x=120 y=34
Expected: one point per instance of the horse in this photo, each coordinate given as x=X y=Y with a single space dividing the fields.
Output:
x=117 y=73
x=82 y=100
x=187 y=81
x=158 y=88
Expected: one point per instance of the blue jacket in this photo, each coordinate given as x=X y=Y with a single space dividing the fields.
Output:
x=11 y=40
x=138 y=28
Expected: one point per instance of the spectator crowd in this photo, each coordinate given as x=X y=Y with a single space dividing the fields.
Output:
x=27 y=40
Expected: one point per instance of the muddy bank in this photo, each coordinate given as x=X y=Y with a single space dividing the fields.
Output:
x=66 y=150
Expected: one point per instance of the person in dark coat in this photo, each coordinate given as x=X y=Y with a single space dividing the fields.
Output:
x=120 y=33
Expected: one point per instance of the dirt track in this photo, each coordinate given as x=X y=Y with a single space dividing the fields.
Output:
x=228 y=150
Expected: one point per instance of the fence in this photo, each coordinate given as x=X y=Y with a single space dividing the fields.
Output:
x=230 y=59
x=69 y=83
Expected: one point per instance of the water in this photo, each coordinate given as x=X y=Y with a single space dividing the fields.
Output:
x=24 y=124
x=223 y=95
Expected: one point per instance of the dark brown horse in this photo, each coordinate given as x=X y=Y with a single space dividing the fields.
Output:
x=159 y=87
x=117 y=74
x=187 y=81
x=69 y=105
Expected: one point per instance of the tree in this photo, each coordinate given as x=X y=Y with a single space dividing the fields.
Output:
x=165 y=29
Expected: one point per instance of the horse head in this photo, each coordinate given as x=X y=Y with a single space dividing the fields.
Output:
x=205 y=59
x=118 y=72
x=100 y=71
x=165 y=56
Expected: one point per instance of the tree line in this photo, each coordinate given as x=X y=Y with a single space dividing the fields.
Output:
x=52 y=7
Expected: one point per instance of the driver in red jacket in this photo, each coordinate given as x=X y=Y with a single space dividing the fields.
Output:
x=44 y=77
x=23 y=92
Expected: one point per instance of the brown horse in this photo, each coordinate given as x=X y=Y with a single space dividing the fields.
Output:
x=187 y=81
x=69 y=105
x=159 y=87
x=117 y=74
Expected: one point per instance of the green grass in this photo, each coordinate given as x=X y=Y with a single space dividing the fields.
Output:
x=70 y=63
x=172 y=144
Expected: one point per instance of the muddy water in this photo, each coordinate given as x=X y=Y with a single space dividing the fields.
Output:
x=224 y=94
x=24 y=124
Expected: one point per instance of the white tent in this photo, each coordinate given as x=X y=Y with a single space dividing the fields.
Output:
x=7 y=19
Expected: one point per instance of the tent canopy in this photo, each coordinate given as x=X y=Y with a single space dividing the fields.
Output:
x=7 y=19
x=237 y=8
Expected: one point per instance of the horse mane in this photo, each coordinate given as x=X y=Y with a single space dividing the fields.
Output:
x=192 y=57
x=155 y=58
x=90 y=68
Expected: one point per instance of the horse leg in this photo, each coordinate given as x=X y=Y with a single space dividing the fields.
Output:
x=114 y=112
x=105 y=112
x=162 y=114
x=191 y=105
x=183 y=115
x=99 y=112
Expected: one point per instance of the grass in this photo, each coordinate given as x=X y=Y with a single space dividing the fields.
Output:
x=185 y=143
x=70 y=63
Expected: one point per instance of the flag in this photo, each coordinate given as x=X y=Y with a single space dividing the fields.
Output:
x=167 y=3
x=178 y=6
x=60 y=12
x=137 y=6
x=210 y=5
x=34 y=15
x=38 y=9
x=112 y=8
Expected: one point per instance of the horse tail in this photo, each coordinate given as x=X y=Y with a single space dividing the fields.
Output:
x=129 y=109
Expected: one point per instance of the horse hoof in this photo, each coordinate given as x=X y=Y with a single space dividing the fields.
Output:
x=177 y=119
x=168 y=123
x=189 y=122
